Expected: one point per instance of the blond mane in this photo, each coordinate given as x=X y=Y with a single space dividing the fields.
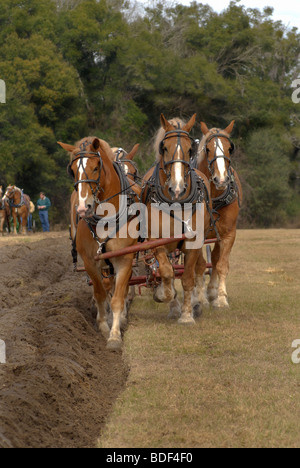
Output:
x=160 y=135
x=201 y=147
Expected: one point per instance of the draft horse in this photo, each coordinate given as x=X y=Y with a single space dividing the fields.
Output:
x=20 y=207
x=120 y=156
x=214 y=160
x=97 y=180
x=4 y=212
x=174 y=180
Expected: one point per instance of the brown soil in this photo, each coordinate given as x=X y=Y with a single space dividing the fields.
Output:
x=59 y=381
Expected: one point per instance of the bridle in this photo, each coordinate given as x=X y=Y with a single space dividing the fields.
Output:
x=179 y=134
x=121 y=159
x=93 y=154
x=89 y=155
x=211 y=162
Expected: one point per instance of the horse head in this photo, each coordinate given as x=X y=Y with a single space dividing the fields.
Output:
x=88 y=158
x=126 y=160
x=175 y=151
x=217 y=147
x=10 y=192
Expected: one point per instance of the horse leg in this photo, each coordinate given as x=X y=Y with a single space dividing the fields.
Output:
x=14 y=216
x=188 y=284
x=222 y=268
x=199 y=297
x=212 y=288
x=123 y=270
x=1 y=223
x=100 y=296
x=24 y=223
x=165 y=292
x=175 y=309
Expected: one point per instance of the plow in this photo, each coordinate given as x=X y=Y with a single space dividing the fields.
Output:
x=145 y=266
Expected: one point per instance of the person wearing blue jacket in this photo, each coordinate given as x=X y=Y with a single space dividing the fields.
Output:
x=43 y=204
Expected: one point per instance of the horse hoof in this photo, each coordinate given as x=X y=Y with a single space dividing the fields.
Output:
x=174 y=312
x=156 y=299
x=212 y=295
x=186 y=321
x=197 y=310
x=160 y=296
x=114 y=344
x=105 y=330
x=220 y=303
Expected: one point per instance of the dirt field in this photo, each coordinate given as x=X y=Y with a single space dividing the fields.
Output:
x=59 y=382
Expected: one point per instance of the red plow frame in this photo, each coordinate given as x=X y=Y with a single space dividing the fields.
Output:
x=152 y=276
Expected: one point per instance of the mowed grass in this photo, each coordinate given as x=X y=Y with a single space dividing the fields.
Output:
x=228 y=381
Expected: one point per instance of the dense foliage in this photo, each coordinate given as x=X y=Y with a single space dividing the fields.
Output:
x=110 y=67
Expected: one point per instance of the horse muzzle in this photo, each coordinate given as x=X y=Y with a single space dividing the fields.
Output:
x=221 y=184
x=85 y=211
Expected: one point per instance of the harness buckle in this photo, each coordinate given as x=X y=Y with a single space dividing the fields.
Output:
x=100 y=247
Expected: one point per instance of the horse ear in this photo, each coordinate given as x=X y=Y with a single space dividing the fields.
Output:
x=133 y=152
x=204 y=128
x=188 y=127
x=163 y=121
x=230 y=127
x=67 y=147
x=96 y=144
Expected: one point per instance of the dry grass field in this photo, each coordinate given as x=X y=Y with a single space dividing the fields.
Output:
x=229 y=381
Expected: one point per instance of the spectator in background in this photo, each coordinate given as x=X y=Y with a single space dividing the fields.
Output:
x=29 y=219
x=43 y=204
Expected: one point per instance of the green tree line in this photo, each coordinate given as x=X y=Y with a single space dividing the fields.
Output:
x=110 y=67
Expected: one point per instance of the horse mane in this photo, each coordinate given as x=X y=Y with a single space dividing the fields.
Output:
x=87 y=141
x=201 y=152
x=158 y=137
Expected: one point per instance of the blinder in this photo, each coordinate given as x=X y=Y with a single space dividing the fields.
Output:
x=79 y=156
x=193 y=150
x=70 y=171
x=231 y=151
x=218 y=135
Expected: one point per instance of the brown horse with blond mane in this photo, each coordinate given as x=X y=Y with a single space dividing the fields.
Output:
x=173 y=180
x=115 y=154
x=214 y=160
x=20 y=207
x=4 y=212
x=97 y=181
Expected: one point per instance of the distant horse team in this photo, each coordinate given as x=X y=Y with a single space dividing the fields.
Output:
x=16 y=205
x=186 y=173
